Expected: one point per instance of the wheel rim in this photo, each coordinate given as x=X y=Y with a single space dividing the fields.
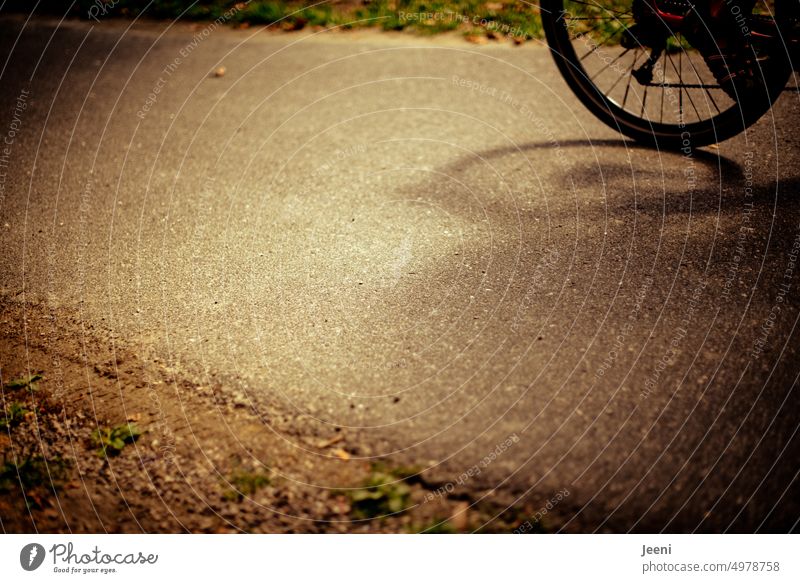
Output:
x=682 y=95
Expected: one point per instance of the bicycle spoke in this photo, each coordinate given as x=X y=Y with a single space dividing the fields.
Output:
x=684 y=85
x=630 y=77
x=601 y=43
x=622 y=54
x=680 y=80
x=571 y=18
x=588 y=33
x=612 y=80
x=700 y=81
x=595 y=5
x=644 y=102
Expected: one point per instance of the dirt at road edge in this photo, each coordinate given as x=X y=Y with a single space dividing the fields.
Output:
x=204 y=462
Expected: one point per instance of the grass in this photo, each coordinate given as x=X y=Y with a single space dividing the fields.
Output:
x=31 y=473
x=384 y=492
x=35 y=475
x=24 y=382
x=110 y=441
x=243 y=483
x=494 y=19
x=13 y=415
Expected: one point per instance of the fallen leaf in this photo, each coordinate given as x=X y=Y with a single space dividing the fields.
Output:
x=341 y=454
x=476 y=39
x=329 y=442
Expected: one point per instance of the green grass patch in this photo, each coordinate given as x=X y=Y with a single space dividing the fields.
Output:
x=13 y=415
x=243 y=483
x=34 y=475
x=383 y=492
x=494 y=19
x=24 y=382
x=110 y=441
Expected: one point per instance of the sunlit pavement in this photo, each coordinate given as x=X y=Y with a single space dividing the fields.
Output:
x=428 y=244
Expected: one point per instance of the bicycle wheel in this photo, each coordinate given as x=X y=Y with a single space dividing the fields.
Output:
x=667 y=95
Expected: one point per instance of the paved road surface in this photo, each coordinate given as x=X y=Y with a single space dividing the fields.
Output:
x=429 y=244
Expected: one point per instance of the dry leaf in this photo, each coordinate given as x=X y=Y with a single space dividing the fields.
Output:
x=476 y=39
x=341 y=454
x=329 y=442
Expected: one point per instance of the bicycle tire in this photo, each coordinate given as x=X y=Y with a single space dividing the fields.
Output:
x=715 y=129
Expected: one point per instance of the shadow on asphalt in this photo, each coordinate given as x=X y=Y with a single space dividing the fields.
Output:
x=729 y=168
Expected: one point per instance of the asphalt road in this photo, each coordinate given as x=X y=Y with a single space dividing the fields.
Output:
x=428 y=244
